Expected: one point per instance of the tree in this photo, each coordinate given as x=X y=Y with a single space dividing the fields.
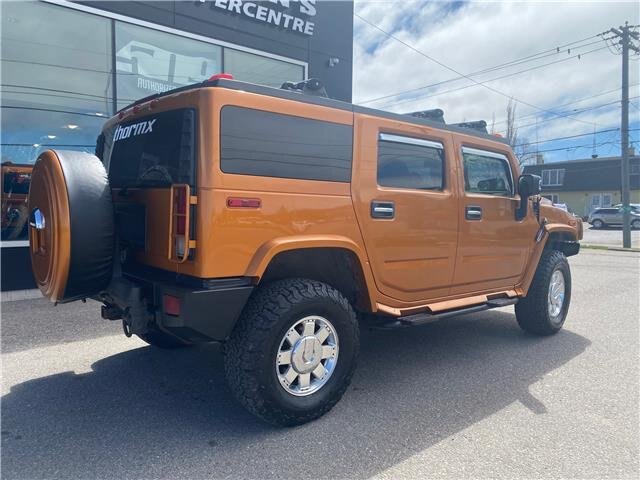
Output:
x=521 y=146
x=512 y=130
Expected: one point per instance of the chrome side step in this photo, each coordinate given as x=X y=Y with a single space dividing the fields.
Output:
x=424 y=318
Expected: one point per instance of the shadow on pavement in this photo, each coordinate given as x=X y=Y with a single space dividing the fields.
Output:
x=151 y=413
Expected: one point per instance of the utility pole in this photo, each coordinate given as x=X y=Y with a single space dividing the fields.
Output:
x=625 y=35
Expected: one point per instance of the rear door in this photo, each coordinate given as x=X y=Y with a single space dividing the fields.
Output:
x=404 y=194
x=144 y=157
x=493 y=247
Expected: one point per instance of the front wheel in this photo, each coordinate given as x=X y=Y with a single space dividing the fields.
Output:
x=597 y=224
x=544 y=309
x=292 y=354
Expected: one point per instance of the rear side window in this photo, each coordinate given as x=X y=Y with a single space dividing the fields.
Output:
x=255 y=142
x=486 y=172
x=407 y=162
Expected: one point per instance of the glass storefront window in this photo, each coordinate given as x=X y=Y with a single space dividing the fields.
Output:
x=149 y=61
x=252 y=68
x=58 y=83
x=56 y=92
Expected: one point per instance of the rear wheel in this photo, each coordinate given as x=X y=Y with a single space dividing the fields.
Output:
x=635 y=224
x=291 y=356
x=544 y=309
x=598 y=224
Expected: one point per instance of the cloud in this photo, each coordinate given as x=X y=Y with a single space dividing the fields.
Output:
x=472 y=36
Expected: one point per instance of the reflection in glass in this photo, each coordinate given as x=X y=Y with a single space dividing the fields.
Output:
x=148 y=62
x=249 y=67
x=56 y=92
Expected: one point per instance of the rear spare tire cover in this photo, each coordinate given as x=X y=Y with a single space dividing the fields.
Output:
x=71 y=225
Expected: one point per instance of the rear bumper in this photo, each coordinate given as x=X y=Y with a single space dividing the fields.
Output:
x=205 y=314
x=208 y=308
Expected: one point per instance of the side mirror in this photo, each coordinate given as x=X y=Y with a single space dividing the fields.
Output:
x=528 y=186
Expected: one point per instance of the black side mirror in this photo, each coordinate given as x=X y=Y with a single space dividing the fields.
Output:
x=528 y=186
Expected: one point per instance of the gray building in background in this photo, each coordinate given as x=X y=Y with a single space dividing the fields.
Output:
x=68 y=66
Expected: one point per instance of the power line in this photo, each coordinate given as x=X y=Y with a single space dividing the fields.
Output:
x=565 y=138
x=574 y=112
x=526 y=59
x=570 y=103
x=512 y=74
x=463 y=75
x=572 y=136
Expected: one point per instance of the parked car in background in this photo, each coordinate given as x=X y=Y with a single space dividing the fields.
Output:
x=610 y=216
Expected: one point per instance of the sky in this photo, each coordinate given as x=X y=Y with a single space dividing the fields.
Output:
x=552 y=101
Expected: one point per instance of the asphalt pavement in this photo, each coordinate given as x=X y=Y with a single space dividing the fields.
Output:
x=609 y=237
x=470 y=397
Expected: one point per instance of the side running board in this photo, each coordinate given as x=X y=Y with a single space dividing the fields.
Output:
x=424 y=318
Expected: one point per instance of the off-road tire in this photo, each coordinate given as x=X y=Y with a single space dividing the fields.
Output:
x=250 y=353
x=158 y=338
x=532 y=311
x=598 y=224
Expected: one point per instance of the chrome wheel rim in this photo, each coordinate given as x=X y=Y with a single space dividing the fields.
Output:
x=556 y=294
x=307 y=356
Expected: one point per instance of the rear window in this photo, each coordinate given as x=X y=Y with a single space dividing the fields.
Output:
x=255 y=142
x=155 y=151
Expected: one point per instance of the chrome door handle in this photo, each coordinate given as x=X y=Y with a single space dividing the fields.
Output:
x=473 y=213
x=383 y=209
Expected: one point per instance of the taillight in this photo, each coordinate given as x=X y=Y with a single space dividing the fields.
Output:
x=171 y=305
x=179 y=242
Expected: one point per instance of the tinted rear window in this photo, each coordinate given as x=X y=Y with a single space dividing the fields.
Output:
x=254 y=142
x=157 y=150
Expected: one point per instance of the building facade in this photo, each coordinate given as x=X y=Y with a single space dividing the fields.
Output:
x=68 y=66
x=584 y=185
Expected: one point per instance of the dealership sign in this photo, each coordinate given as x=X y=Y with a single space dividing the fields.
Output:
x=292 y=15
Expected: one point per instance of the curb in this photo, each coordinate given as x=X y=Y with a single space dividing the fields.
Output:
x=610 y=248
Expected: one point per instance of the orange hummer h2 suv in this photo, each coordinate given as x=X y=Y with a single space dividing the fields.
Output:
x=275 y=220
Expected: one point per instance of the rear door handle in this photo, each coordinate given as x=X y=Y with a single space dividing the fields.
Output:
x=472 y=212
x=383 y=209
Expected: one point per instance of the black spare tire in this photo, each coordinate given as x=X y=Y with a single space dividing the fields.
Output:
x=71 y=225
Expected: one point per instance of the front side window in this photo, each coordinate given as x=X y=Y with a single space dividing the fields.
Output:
x=407 y=162
x=486 y=172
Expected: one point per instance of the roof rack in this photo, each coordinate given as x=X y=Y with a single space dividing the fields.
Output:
x=435 y=114
x=311 y=86
x=479 y=125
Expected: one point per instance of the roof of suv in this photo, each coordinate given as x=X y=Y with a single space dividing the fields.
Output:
x=317 y=100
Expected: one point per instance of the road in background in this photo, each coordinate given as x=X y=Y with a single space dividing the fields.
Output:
x=609 y=237
x=468 y=397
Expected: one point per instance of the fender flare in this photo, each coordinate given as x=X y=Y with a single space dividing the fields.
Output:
x=561 y=228
x=268 y=250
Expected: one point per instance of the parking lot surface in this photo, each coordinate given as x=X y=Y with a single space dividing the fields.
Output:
x=468 y=397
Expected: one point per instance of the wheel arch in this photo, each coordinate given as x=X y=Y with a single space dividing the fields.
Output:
x=563 y=238
x=334 y=260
